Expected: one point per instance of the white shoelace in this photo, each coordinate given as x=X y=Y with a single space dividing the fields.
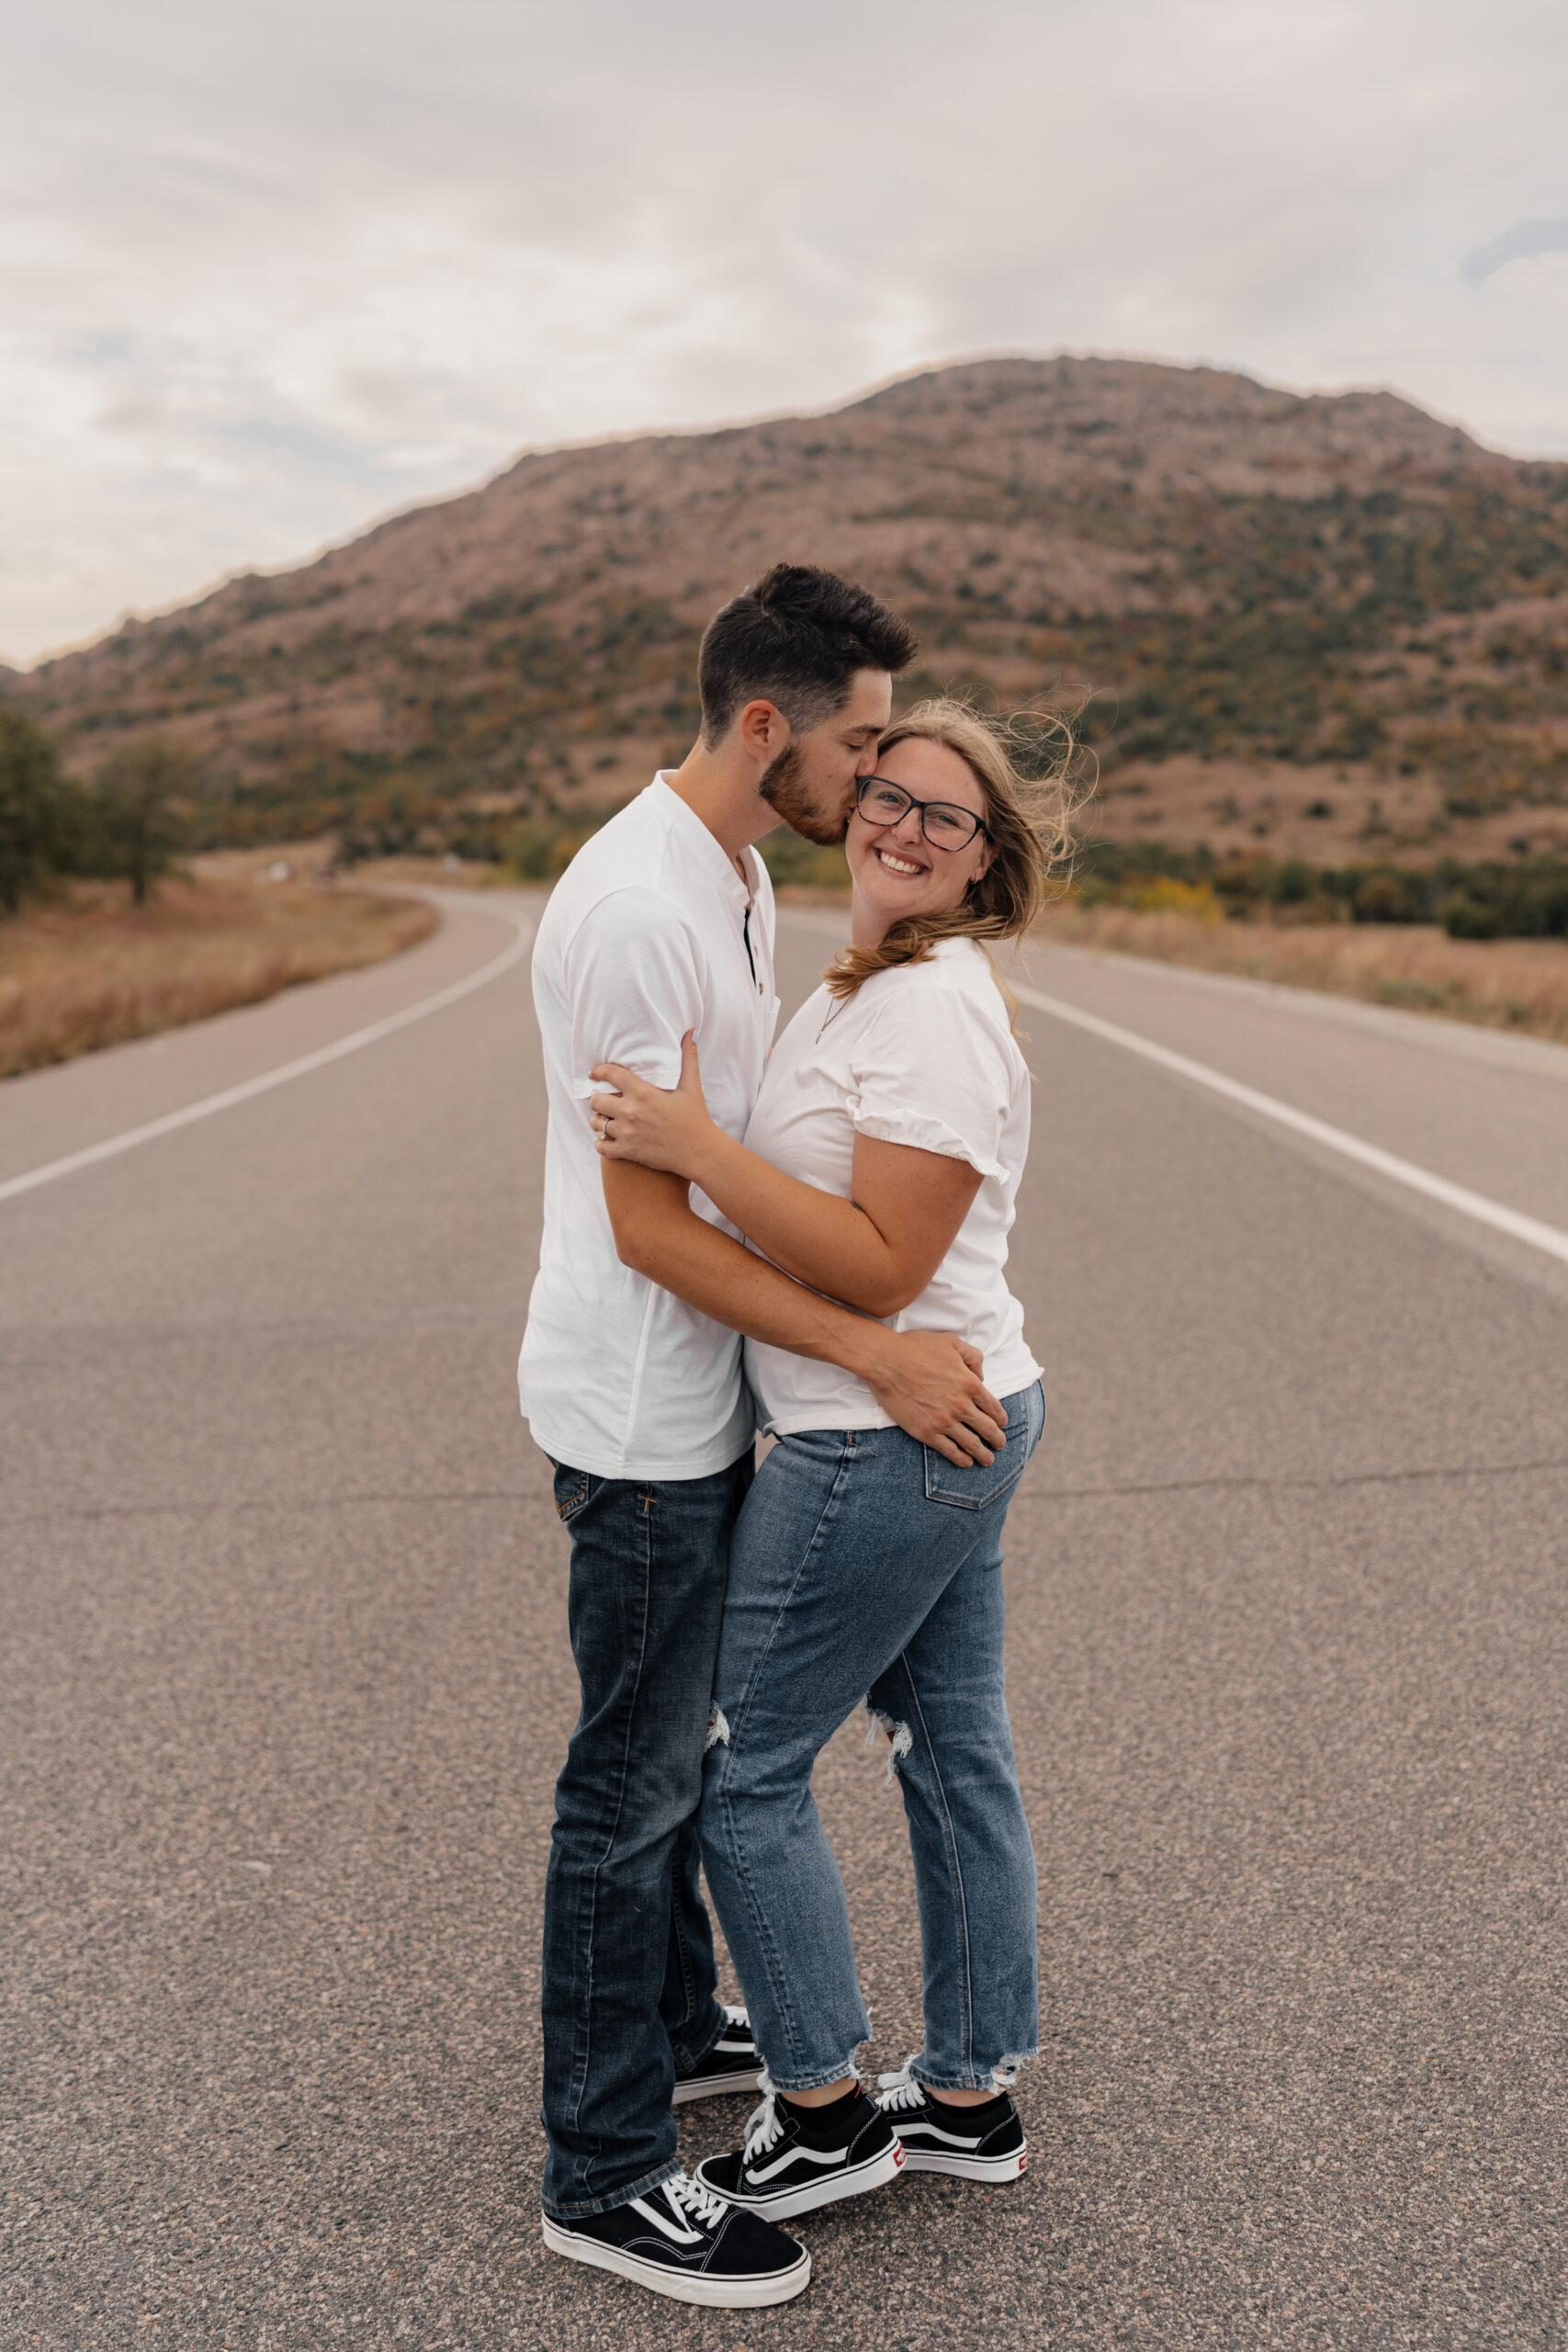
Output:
x=694 y=2202
x=764 y=2128
x=898 y=2091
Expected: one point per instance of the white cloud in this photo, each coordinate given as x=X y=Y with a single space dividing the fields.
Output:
x=266 y=272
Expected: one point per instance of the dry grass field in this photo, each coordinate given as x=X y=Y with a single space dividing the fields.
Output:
x=89 y=969
x=1520 y=984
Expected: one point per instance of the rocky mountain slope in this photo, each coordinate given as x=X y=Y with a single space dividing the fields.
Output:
x=1300 y=622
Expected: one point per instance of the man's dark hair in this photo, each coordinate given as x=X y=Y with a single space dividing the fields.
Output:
x=796 y=639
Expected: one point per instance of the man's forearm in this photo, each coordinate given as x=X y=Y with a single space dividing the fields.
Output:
x=928 y=1382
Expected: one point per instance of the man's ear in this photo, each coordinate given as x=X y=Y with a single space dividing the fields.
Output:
x=765 y=730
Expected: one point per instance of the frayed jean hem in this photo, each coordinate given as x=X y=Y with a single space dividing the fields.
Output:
x=1003 y=2077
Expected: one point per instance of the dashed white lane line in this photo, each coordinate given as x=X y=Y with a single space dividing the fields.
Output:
x=211 y=1103
x=1530 y=1230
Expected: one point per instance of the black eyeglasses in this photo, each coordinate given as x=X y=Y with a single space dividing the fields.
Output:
x=943 y=823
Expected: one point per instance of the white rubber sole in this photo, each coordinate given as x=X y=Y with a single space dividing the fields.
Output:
x=875 y=2173
x=970 y=2167
x=749 y=2078
x=724 y=2294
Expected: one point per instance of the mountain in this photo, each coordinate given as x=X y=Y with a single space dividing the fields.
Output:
x=1299 y=621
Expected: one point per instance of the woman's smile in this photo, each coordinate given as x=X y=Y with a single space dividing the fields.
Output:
x=922 y=878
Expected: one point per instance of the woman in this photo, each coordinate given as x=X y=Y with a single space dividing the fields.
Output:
x=881 y=1167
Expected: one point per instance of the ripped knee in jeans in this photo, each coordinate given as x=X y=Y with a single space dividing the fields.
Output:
x=899 y=1737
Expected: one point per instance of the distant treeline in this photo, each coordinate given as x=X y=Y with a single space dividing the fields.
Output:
x=1520 y=898
x=1492 y=899
x=129 y=822
x=147 y=803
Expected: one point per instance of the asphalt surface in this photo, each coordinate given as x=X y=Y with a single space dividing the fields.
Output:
x=285 y=1683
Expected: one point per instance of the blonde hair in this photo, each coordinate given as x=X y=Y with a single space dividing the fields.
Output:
x=1028 y=820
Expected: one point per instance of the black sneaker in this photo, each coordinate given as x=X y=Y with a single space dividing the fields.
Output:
x=976 y=2142
x=796 y=2158
x=732 y=2065
x=682 y=2241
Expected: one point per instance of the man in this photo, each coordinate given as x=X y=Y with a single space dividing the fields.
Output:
x=631 y=1378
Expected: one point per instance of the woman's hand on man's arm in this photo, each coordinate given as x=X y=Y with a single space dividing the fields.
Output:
x=657 y=1127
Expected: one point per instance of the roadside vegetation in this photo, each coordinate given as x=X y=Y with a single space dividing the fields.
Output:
x=1520 y=984
x=101 y=938
x=1484 y=941
x=85 y=966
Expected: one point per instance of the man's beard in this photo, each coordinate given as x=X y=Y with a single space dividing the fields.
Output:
x=785 y=793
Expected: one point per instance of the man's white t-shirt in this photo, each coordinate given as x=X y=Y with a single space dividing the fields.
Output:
x=650 y=931
x=921 y=1055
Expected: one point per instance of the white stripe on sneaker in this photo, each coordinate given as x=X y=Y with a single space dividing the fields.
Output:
x=665 y=2224
x=806 y=2155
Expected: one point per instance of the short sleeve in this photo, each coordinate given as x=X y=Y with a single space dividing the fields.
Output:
x=935 y=1070
x=636 y=988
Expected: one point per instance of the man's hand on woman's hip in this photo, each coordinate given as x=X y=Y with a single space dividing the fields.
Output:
x=929 y=1382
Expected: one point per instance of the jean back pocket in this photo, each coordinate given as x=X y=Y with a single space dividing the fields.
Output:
x=981 y=1485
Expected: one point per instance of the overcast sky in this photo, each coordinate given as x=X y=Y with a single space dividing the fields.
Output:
x=266 y=273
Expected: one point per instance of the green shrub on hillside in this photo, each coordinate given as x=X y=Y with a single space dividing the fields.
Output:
x=539 y=849
x=1462 y=918
x=1166 y=893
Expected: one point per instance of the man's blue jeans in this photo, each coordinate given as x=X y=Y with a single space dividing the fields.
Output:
x=865 y=1568
x=628 y=1990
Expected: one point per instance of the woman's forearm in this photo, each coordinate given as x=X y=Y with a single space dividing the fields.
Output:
x=877 y=1250
x=814 y=1236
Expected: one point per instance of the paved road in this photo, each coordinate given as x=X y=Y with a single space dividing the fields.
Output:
x=284 y=1683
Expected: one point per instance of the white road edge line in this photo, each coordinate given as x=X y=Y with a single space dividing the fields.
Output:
x=209 y=1104
x=1529 y=1229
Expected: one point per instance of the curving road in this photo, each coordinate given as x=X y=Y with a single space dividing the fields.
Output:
x=283 y=1683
